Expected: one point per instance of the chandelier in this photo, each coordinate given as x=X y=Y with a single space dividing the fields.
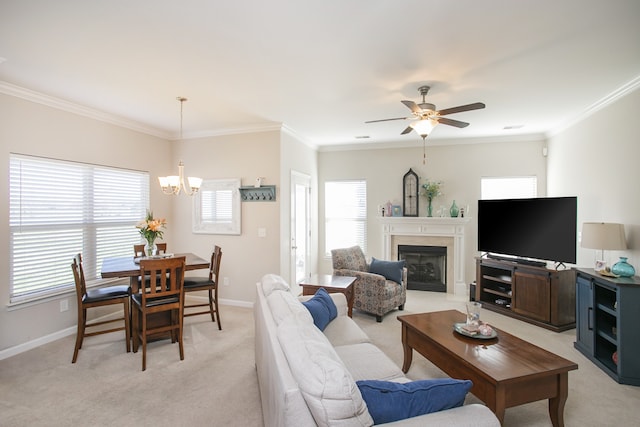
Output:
x=174 y=184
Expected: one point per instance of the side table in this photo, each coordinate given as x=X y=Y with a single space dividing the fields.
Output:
x=332 y=284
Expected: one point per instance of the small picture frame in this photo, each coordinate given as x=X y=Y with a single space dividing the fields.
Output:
x=396 y=210
x=600 y=265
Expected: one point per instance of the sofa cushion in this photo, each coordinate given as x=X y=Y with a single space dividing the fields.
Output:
x=322 y=308
x=365 y=361
x=273 y=282
x=391 y=270
x=343 y=330
x=327 y=387
x=392 y=401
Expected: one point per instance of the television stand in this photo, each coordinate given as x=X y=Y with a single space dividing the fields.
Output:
x=523 y=261
x=538 y=295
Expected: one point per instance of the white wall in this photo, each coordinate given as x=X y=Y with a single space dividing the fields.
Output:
x=459 y=166
x=597 y=160
x=246 y=257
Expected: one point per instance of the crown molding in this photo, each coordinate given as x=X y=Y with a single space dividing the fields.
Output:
x=71 y=107
x=614 y=96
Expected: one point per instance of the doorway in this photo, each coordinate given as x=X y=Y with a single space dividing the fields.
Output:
x=300 y=226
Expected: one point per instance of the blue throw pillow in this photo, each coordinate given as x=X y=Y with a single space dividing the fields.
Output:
x=391 y=270
x=322 y=308
x=389 y=401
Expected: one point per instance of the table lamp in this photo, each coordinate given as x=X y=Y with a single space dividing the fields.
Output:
x=603 y=236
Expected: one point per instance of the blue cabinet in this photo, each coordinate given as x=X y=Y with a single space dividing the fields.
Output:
x=607 y=323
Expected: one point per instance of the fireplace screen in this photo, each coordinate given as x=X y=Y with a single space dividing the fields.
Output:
x=426 y=267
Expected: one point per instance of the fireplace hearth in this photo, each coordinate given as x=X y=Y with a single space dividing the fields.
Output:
x=426 y=267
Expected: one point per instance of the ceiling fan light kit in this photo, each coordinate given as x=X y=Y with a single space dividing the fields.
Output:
x=428 y=117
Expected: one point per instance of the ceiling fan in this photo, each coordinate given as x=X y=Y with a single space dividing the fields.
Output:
x=428 y=117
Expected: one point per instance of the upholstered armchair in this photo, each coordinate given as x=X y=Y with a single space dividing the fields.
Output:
x=373 y=293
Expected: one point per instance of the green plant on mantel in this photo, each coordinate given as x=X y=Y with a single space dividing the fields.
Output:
x=431 y=190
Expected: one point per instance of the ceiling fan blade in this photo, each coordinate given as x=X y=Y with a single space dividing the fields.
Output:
x=387 y=120
x=461 y=108
x=412 y=106
x=407 y=130
x=451 y=122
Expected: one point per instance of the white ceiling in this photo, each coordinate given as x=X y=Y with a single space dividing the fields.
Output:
x=323 y=68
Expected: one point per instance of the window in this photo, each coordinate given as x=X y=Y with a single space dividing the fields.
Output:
x=345 y=213
x=58 y=209
x=216 y=207
x=512 y=187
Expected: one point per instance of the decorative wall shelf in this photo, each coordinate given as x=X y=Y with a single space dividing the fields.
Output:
x=264 y=193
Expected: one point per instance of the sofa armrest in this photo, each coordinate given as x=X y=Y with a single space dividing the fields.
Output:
x=474 y=415
x=371 y=279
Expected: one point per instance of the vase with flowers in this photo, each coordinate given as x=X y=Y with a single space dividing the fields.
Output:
x=151 y=229
x=431 y=190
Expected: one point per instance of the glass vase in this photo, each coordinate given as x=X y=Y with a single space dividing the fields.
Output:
x=429 y=208
x=454 y=211
x=150 y=248
x=622 y=268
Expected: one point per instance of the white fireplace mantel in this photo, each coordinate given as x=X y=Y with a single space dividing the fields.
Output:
x=429 y=231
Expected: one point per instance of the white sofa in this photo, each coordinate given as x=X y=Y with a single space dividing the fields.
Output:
x=307 y=377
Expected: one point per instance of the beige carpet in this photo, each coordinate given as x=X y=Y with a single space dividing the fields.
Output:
x=216 y=384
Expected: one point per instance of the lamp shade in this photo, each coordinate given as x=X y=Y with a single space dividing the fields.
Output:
x=603 y=235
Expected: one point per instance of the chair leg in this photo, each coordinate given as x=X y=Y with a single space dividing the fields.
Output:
x=211 y=304
x=144 y=341
x=217 y=314
x=79 y=335
x=127 y=323
x=378 y=319
x=180 y=325
x=135 y=318
x=401 y=307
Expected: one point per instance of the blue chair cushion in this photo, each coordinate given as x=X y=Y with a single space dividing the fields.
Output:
x=390 y=401
x=322 y=308
x=391 y=270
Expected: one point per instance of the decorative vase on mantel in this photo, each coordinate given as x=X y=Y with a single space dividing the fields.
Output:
x=622 y=268
x=429 y=207
x=454 y=211
x=150 y=248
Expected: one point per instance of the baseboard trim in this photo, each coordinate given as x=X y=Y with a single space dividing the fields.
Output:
x=30 y=345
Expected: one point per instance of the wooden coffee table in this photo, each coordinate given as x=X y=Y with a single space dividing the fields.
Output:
x=506 y=371
x=332 y=284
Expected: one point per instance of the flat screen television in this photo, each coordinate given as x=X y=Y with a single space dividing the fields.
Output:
x=542 y=228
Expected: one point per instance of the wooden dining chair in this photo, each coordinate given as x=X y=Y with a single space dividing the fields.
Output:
x=210 y=284
x=157 y=310
x=99 y=297
x=139 y=249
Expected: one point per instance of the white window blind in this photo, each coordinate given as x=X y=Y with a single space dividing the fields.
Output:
x=509 y=187
x=217 y=206
x=58 y=209
x=345 y=214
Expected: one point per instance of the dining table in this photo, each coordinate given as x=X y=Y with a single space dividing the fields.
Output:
x=127 y=266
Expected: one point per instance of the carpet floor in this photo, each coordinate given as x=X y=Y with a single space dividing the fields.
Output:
x=216 y=383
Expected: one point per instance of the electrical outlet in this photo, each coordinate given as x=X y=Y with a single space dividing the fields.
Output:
x=64 y=305
x=225 y=281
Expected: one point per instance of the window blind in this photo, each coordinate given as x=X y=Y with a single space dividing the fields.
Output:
x=345 y=215
x=509 y=187
x=58 y=209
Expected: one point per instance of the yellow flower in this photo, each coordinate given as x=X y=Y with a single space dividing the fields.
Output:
x=151 y=228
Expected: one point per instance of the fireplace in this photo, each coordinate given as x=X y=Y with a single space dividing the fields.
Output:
x=448 y=233
x=426 y=267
